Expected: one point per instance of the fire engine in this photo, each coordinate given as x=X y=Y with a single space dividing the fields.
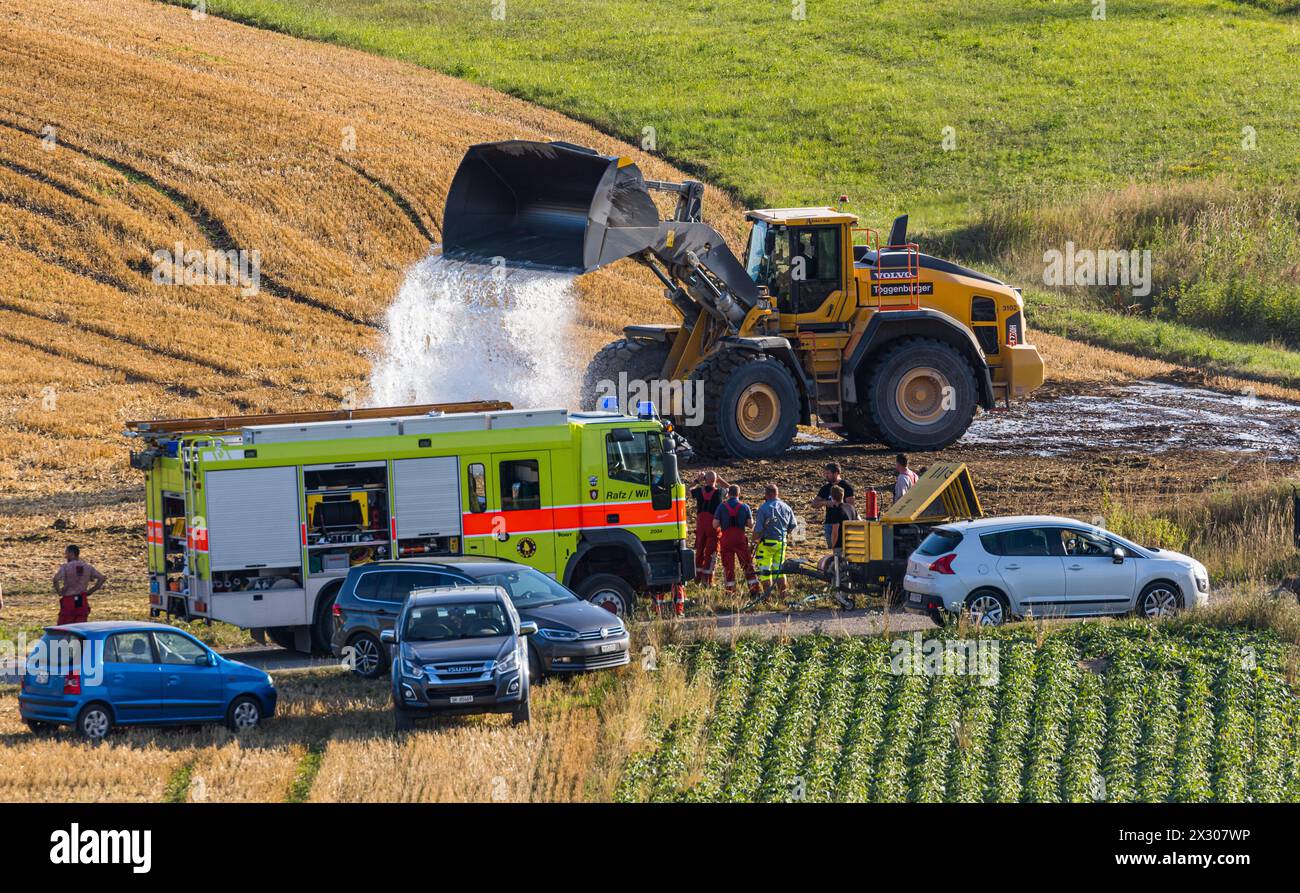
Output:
x=255 y=520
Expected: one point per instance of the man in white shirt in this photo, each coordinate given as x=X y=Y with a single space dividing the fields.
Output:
x=906 y=476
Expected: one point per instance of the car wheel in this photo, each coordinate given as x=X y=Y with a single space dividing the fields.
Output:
x=523 y=713
x=607 y=591
x=244 y=714
x=403 y=721
x=367 y=656
x=988 y=607
x=1159 y=599
x=94 y=722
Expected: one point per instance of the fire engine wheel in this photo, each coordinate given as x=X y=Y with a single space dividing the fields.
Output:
x=610 y=592
x=281 y=635
x=322 y=628
x=751 y=406
x=921 y=394
x=640 y=360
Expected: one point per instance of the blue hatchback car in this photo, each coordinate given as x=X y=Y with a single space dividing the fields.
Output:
x=94 y=676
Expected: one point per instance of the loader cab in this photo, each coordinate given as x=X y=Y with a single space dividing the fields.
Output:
x=803 y=256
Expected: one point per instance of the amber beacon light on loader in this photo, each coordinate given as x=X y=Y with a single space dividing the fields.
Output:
x=819 y=321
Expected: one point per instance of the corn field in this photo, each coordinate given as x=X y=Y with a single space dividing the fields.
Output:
x=1096 y=712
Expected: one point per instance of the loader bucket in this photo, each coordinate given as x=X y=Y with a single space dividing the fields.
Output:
x=551 y=206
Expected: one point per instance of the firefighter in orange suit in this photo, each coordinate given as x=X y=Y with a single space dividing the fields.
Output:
x=732 y=519
x=707 y=493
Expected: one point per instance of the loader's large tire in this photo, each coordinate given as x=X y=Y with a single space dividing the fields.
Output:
x=750 y=407
x=641 y=360
x=908 y=398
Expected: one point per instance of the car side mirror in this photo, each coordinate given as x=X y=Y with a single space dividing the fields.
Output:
x=206 y=659
x=527 y=628
x=1118 y=555
x=388 y=636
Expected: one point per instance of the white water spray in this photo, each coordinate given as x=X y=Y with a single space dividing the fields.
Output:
x=460 y=331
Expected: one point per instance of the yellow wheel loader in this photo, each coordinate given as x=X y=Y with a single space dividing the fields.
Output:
x=880 y=343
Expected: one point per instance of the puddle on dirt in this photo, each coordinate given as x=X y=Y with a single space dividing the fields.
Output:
x=1146 y=416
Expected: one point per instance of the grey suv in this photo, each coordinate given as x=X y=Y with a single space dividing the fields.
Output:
x=459 y=650
x=574 y=635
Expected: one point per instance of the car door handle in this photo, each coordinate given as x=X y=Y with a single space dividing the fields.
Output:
x=1011 y=567
x=1076 y=567
x=173 y=679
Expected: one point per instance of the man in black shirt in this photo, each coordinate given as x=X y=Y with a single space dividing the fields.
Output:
x=837 y=513
x=707 y=492
x=823 y=500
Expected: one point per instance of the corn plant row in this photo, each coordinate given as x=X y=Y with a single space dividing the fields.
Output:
x=1081 y=778
x=756 y=725
x=1293 y=771
x=638 y=773
x=1272 y=737
x=1158 y=751
x=939 y=728
x=902 y=720
x=783 y=758
x=729 y=705
x=967 y=769
x=1124 y=724
x=1058 y=672
x=823 y=754
x=1011 y=729
x=1195 y=734
x=1234 y=733
x=670 y=760
x=866 y=724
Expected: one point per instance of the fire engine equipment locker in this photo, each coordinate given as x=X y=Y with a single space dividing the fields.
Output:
x=428 y=497
x=252 y=518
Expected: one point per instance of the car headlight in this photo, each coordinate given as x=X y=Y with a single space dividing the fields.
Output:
x=508 y=663
x=1202 y=582
x=412 y=670
x=558 y=635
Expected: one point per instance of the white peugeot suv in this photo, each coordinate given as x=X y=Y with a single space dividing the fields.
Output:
x=1043 y=566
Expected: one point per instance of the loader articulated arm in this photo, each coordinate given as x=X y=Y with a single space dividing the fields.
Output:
x=568 y=209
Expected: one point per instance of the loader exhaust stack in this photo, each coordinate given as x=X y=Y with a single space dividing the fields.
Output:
x=547 y=206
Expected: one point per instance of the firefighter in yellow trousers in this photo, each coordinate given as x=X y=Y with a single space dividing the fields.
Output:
x=774 y=522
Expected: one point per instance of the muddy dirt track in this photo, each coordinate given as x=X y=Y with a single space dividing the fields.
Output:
x=1144 y=443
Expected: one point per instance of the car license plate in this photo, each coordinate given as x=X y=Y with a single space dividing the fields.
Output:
x=462 y=699
x=609 y=648
x=42 y=678
x=914 y=598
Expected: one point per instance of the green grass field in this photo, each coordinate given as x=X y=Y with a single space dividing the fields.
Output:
x=953 y=111
x=1094 y=712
